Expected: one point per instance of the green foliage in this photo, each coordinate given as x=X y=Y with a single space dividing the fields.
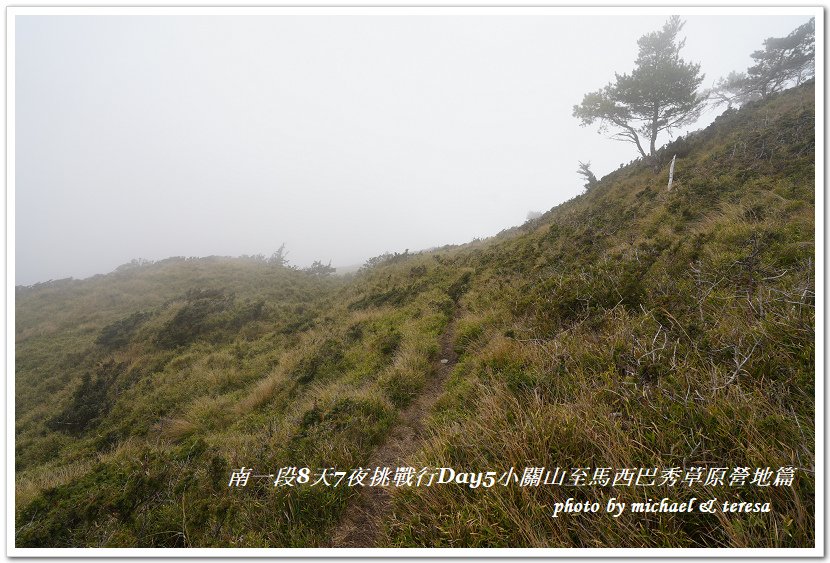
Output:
x=192 y=319
x=280 y=257
x=326 y=361
x=389 y=342
x=460 y=285
x=660 y=94
x=118 y=334
x=317 y=268
x=468 y=332
x=89 y=402
x=339 y=416
x=584 y=170
x=784 y=61
x=732 y=90
x=394 y=296
x=386 y=258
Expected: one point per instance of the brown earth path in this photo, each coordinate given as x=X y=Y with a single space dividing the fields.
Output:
x=363 y=519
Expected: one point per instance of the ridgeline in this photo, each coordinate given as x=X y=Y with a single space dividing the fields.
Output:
x=630 y=327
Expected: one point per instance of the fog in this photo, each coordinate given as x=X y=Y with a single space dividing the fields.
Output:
x=341 y=136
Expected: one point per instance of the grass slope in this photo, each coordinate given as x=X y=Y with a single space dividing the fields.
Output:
x=628 y=327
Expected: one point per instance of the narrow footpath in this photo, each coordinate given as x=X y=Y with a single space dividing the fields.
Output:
x=363 y=519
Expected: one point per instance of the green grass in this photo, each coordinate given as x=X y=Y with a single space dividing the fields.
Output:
x=627 y=327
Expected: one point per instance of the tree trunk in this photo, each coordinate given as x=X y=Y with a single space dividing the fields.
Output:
x=654 y=116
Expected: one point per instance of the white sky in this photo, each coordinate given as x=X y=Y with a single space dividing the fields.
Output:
x=342 y=136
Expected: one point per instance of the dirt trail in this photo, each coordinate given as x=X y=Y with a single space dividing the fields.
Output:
x=363 y=519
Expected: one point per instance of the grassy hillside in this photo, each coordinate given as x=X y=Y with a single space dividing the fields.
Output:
x=629 y=327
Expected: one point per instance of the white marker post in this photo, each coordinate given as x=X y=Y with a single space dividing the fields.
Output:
x=671 y=173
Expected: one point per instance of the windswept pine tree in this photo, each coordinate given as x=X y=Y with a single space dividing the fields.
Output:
x=659 y=95
x=784 y=62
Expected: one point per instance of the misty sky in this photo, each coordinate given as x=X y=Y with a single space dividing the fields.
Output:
x=341 y=136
